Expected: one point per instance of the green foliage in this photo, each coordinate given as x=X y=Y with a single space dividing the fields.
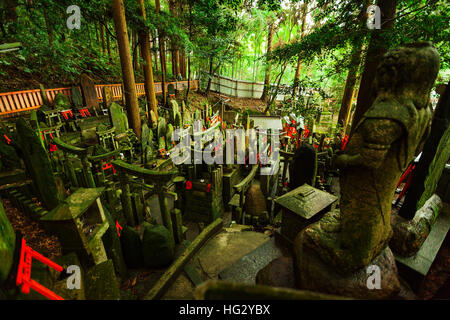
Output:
x=228 y=35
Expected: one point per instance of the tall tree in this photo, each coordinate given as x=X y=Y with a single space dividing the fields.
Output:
x=129 y=83
x=376 y=49
x=149 y=85
x=162 y=55
x=299 y=61
x=355 y=61
x=344 y=111
x=265 y=94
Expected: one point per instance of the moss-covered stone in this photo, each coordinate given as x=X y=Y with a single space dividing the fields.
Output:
x=161 y=127
x=111 y=241
x=157 y=246
x=101 y=282
x=7 y=245
x=38 y=165
x=61 y=102
x=9 y=158
x=161 y=143
x=118 y=118
x=169 y=135
x=41 y=274
x=131 y=247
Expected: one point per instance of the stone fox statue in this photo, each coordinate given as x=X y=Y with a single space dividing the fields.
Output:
x=382 y=145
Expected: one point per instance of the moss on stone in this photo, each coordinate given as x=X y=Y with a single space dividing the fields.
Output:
x=7 y=245
x=157 y=246
x=131 y=247
x=101 y=282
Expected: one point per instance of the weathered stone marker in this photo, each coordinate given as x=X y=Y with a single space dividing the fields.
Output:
x=333 y=254
x=107 y=97
x=7 y=245
x=38 y=165
x=118 y=118
x=88 y=90
x=61 y=102
x=77 y=98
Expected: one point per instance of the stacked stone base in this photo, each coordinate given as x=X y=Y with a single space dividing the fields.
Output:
x=315 y=275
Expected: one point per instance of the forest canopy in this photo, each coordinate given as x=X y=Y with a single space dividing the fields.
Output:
x=311 y=42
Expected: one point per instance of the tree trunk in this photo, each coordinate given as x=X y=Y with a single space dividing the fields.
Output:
x=129 y=84
x=189 y=79
x=299 y=61
x=155 y=54
x=183 y=64
x=174 y=48
x=102 y=35
x=49 y=28
x=375 y=51
x=162 y=55
x=96 y=32
x=211 y=75
x=135 y=52
x=265 y=94
x=149 y=84
x=108 y=45
x=344 y=112
x=274 y=96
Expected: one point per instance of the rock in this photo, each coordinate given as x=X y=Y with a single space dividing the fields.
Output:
x=61 y=102
x=304 y=167
x=145 y=136
x=118 y=118
x=162 y=143
x=107 y=97
x=187 y=117
x=9 y=157
x=101 y=282
x=111 y=242
x=89 y=93
x=38 y=165
x=7 y=245
x=131 y=247
x=77 y=98
x=161 y=127
x=153 y=119
x=169 y=135
x=157 y=246
x=314 y=274
x=174 y=105
x=409 y=235
x=65 y=261
x=60 y=288
x=278 y=273
x=178 y=122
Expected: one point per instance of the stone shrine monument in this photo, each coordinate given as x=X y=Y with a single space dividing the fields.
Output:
x=338 y=253
x=89 y=94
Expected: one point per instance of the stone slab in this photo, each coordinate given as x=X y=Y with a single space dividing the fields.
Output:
x=245 y=270
x=421 y=262
x=88 y=89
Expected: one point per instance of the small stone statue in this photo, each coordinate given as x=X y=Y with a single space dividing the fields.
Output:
x=382 y=145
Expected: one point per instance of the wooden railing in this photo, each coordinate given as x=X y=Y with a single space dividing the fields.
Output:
x=15 y=102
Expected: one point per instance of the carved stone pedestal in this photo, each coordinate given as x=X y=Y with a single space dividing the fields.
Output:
x=315 y=275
